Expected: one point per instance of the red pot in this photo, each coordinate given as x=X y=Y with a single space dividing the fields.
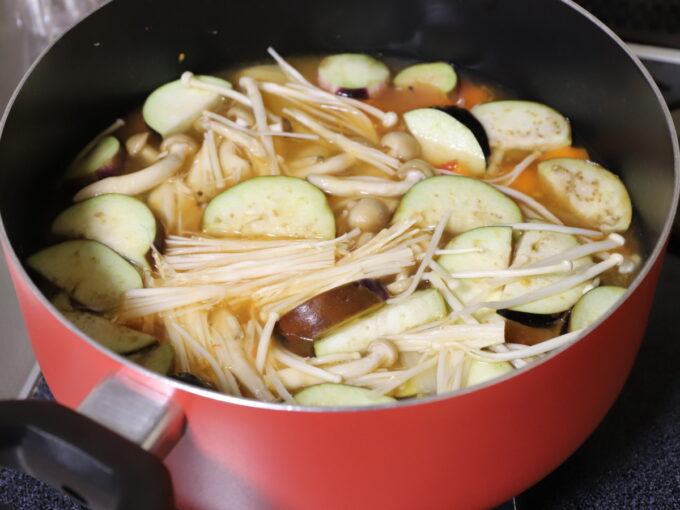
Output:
x=474 y=449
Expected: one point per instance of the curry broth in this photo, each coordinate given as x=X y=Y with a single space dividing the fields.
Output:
x=189 y=204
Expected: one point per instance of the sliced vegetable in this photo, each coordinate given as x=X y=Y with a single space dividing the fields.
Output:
x=298 y=328
x=419 y=308
x=116 y=337
x=271 y=206
x=444 y=138
x=469 y=121
x=193 y=380
x=105 y=159
x=482 y=371
x=173 y=107
x=437 y=74
x=585 y=194
x=534 y=320
x=424 y=383
x=493 y=247
x=353 y=75
x=159 y=359
x=62 y=302
x=334 y=395
x=89 y=272
x=536 y=245
x=123 y=223
x=523 y=125
x=532 y=328
x=473 y=204
x=593 y=305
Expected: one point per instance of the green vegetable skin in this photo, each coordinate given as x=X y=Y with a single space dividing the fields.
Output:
x=421 y=307
x=271 y=206
x=473 y=204
x=334 y=395
x=173 y=107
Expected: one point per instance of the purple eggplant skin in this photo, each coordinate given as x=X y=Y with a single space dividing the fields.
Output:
x=112 y=167
x=361 y=93
x=534 y=320
x=469 y=121
x=189 y=378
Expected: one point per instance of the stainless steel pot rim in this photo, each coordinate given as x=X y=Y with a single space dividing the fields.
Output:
x=245 y=402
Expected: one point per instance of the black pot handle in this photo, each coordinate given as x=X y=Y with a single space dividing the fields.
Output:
x=69 y=451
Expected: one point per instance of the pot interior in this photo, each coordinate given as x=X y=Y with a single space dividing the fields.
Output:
x=546 y=51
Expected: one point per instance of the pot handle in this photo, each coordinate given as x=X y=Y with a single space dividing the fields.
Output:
x=103 y=467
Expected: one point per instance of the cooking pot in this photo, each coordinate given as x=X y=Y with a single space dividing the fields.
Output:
x=472 y=449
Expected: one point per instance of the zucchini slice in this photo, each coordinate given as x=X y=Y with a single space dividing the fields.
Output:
x=495 y=244
x=479 y=371
x=420 y=308
x=159 y=359
x=585 y=194
x=118 y=338
x=89 y=272
x=276 y=206
x=473 y=203
x=353 y=75
x=334 y=395
x=444 y=138
x=523 y=125
x=536 y=245
x=121 y=222
x=173 y=107
x=437 y=74
x=593 y=305
x=104 y=160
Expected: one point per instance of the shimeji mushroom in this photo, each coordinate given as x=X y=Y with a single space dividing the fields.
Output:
x=352 y=186
x=138 y=147
x=177 y=147
x=380 y=353
x=400 y=145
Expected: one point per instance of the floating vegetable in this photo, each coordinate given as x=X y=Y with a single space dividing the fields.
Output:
x=89 y=272
x=523 y=125
x=443 y=139
x=271 y=206
x=122 y=223
x=299 y=327
x=353 y=75
x=585 y=194
x=439 y=75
